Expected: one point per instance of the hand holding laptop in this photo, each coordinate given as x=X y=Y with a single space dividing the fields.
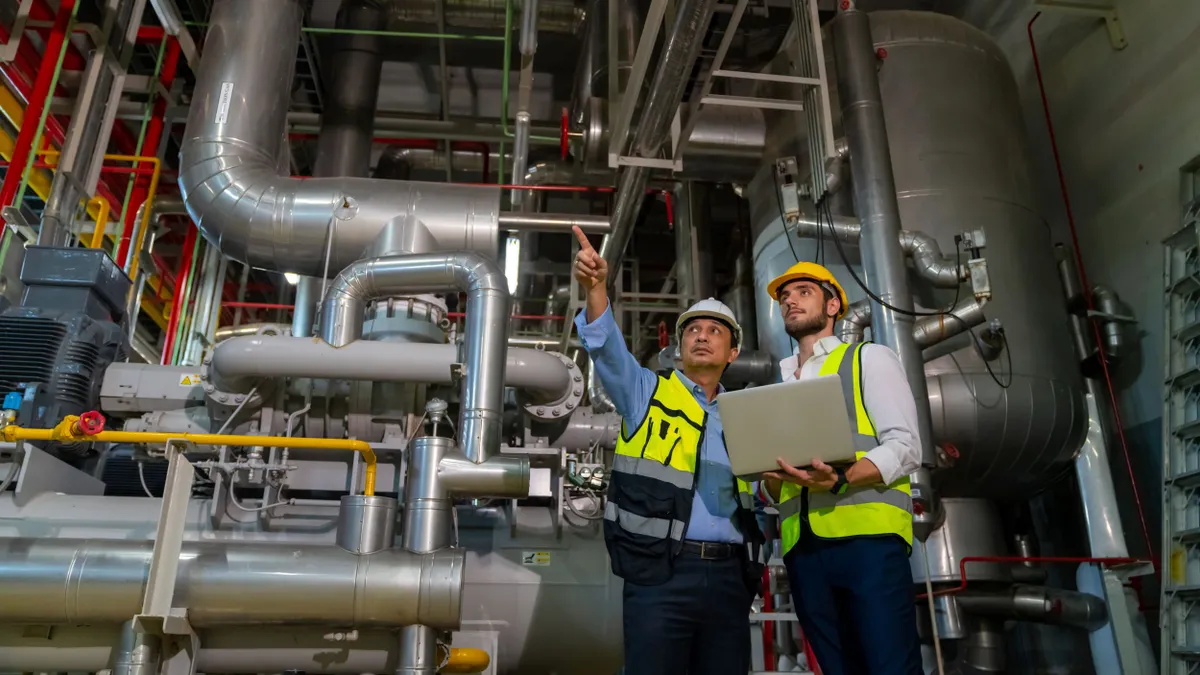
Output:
x=819 y=476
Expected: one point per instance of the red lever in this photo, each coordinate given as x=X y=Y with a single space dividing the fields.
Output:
x=91 y=423
x=563 y=139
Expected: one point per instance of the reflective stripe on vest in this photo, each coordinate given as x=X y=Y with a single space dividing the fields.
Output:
x=659 y=528
x=652 y=469
x=870 y=510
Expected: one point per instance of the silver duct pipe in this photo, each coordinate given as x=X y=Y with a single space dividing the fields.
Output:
x=162 y=206
x=553 y=222
x=1039 y=604
x=876 y=204
x=741 y=300
x=556 y=305
x=527 y=47
x=929 y=262
x=77 y=581
x=228 y=332
x=347 y=122
x=486 y=325
x=429 y=159
x=927 y=330
x=680 y=48
x=228 y=173
x=304 y=312
x=600 y=400
x=138 y=653
x=586 y=429
x=239 y=362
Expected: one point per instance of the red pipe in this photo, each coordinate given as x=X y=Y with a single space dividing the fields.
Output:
x=154 y=130
x=23 y=148
x=256 y=305
x=768 y=631
x=1087 y=294
x=185 y=268
x=962 y=566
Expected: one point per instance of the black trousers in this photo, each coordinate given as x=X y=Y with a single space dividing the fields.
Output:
x=697 y=623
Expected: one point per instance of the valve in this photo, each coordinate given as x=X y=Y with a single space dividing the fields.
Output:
x=90 y=423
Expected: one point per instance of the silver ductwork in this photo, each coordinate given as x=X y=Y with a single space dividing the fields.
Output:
x=240 y=361
x=79 y=581
x=929 y=262
x=1039 y=604
x=234 y=136
x=486 y=336
x=927 y=330
x=680 y=48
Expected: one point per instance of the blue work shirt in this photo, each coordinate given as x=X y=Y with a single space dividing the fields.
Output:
x=630 y=387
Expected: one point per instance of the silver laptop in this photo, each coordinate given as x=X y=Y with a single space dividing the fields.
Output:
x=799 y=421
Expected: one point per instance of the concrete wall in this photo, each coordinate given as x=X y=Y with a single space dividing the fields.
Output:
x=1126 y=122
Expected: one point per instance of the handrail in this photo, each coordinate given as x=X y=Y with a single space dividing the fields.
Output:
x=70 y=429
x=102 y=209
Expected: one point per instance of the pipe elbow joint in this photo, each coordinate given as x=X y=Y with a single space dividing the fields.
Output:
x=499 y=477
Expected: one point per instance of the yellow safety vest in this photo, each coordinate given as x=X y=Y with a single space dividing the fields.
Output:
x=867 y=511
x=652 y=485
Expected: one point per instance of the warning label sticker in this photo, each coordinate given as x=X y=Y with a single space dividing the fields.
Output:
x=189 y=380
x=536 y=558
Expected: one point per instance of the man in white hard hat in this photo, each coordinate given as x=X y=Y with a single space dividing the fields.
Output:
x=677 y=521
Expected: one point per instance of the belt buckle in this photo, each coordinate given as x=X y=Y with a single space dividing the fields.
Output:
x=706 y=546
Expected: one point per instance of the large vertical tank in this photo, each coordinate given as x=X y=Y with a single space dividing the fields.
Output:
x=961 y=162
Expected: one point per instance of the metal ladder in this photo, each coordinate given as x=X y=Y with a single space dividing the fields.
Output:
x=1180 y=615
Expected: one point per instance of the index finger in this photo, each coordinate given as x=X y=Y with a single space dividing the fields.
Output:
x=583 y=240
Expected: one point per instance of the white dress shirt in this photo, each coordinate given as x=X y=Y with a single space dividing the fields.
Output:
x=888 y=401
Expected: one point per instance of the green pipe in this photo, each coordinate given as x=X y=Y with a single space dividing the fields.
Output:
x=37 y=138
x=180 y=330
x=147 y=112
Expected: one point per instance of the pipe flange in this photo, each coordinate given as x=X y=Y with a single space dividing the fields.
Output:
x=220 y=394
x=409 y=319
x=562 y=408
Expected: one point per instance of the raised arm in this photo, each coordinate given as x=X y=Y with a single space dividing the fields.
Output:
x=626 y=381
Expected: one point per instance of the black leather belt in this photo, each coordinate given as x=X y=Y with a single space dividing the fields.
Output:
x=713 y=550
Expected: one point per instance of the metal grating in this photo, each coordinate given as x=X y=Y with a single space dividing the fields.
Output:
x=28 y=350
x=1181 y=447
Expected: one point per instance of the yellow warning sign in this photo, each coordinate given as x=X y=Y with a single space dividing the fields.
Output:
x=536 y=558
x=189 y=380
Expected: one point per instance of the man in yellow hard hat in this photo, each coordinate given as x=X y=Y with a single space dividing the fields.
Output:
x=846 y=531
x=677 y=520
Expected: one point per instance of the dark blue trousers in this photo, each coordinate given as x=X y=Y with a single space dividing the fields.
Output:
x=856 y=604
x=698 y=622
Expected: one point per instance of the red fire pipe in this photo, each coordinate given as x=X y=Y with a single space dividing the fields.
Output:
x=1087 y=295
x=185 y=268
x=33 y=112
x=962 y=566
x=768 y=627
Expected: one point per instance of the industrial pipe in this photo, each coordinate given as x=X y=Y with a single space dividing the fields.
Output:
x=238 y=361
x=138 y=653
x=877 y=207
x=928 y=261
x=74 y=429
x=1040 y=604
x=553 y=222
x=230 y=182
x=80 y=581
x=927 y=330
x=750 y=367
x=486 y=327
x=680 y=48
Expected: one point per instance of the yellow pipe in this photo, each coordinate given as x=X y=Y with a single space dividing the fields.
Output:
x=68 y=431
x=101 y=221
x=141 y=228
x=463 y=661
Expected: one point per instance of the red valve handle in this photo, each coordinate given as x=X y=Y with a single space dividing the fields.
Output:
x=563 y=138
x=91 y=423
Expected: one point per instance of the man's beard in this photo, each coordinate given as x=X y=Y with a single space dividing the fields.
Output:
x=806 y=325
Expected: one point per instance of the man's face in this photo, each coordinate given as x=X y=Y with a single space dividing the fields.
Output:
x=707 y=342
x=805 y=309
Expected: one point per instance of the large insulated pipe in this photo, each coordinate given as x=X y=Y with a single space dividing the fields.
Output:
x=228 y=170
x=878 y=210
x=486 y=325
x=927 y=331
x=679 y=52
x=238 y=362
x=79 y=581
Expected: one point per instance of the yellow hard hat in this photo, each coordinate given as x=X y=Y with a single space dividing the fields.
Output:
x=812 y=272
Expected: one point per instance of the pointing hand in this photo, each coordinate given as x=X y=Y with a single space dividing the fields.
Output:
x=590 y=269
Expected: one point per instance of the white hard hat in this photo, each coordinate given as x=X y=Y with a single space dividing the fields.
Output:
x=712 y=309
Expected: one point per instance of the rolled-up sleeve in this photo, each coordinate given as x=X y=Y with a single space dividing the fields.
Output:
x=889 y=401
x=628 y=384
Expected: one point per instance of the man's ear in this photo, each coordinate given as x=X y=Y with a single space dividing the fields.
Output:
x=733 y=354
x=833 y=306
